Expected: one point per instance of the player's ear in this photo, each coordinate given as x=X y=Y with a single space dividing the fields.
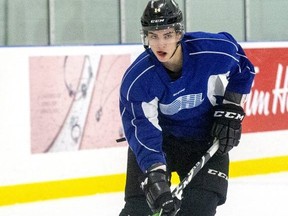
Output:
x=178 y=35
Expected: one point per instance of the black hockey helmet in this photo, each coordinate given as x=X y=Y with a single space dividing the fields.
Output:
x=161 y=14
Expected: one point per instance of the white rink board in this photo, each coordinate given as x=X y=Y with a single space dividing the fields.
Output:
x=22 y=167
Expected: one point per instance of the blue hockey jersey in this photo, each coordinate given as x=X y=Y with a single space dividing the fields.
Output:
x=153 y=104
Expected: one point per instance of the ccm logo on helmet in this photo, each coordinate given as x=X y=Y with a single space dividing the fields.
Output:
x=227 y=114
x=157 y=21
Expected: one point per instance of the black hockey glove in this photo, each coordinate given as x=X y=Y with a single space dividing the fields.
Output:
x=156 y=186
x=227 y=126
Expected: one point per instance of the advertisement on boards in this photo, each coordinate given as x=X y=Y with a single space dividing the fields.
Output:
x=267 y=105
x=74 y=99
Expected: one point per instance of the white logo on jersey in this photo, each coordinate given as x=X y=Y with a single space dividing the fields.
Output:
x=183 y=102
x=178 y=92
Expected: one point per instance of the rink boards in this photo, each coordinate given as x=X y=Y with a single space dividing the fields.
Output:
x=60 y=119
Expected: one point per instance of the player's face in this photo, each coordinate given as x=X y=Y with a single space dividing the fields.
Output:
x=163 y=43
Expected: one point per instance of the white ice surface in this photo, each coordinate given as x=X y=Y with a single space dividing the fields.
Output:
x=264 y=195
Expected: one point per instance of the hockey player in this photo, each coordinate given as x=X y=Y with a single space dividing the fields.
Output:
x=184 y=90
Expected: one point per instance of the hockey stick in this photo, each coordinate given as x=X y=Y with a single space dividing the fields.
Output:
x=177 y=192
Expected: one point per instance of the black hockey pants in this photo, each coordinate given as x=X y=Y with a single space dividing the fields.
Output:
x=201 y=197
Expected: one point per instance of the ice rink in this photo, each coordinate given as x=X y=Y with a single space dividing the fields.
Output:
x=264 y=195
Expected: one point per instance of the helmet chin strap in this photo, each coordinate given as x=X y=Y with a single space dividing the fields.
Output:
x=178 y=43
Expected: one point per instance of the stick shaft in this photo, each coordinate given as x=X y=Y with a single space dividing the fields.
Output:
x=177 y=192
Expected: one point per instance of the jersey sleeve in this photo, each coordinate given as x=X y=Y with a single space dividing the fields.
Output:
x=139 y=114
x=242 y=73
